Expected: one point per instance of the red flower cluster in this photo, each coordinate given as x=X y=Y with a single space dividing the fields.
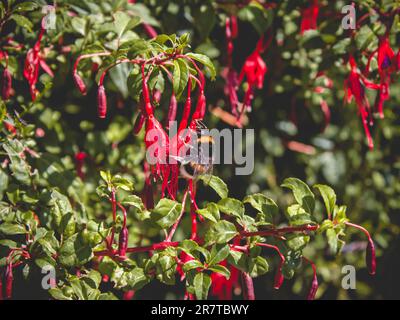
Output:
x=387 y=64
x=222 y=287
x=309 y=17
x=34 y=60
x=355 y=88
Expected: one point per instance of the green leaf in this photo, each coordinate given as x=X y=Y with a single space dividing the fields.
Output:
x=25 y=6
x=135 y=47
x=74 y=252
x=202 y=283
x=9 y=229
x=258 y=266
x=221 y=270
x=257 y=15
x=58 y=294
x=123 y=22
x=180 y=76
x=262 y=204
x=22 y=21
x=135 y=201
x=298 y=216
x=165 y=269
x=210 y=212
x=166 y=212
x=301 y=192
x=217 y=184
x=329 y=197
x=206 y=61
x=79 y=25
x=192 y=264
x=217 y=254
x=221 y=232
x=232 y=207
x=297 y=242
x=332 y=240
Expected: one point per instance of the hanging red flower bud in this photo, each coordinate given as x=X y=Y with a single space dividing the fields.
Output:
x=314 y=285
x=101 y=102
x=6 y=86
x=370 y=251
x=370 y=257
x=9 y=280
x=128 y=295
x=309 y=17
x=80 y=83
x=278 y=280
x=123 y=242
x=173 y=106
x=139 y=123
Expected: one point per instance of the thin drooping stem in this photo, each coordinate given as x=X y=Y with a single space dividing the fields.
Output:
x=175 y=226
x=154 y=247
x=280 y=231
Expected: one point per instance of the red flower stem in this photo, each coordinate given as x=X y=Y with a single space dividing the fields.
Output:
x=280 y=231
x=86 y=56
x=278 y=276
x=370 y=254
x=154 y=247
x=114 y=213
x=266 y=245
x=175 y=226
x=124 y=213
x=248 y=287
x=201 y=74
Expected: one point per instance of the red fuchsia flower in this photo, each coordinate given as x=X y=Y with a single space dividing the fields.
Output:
x=387 y=64
x=309 y=17
x=101 y=102
x=33 y=61
x=314 y=284
x=254 y=69
x=221 y=287
x=354 y=87
x=79 y=161
x=9 y=280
